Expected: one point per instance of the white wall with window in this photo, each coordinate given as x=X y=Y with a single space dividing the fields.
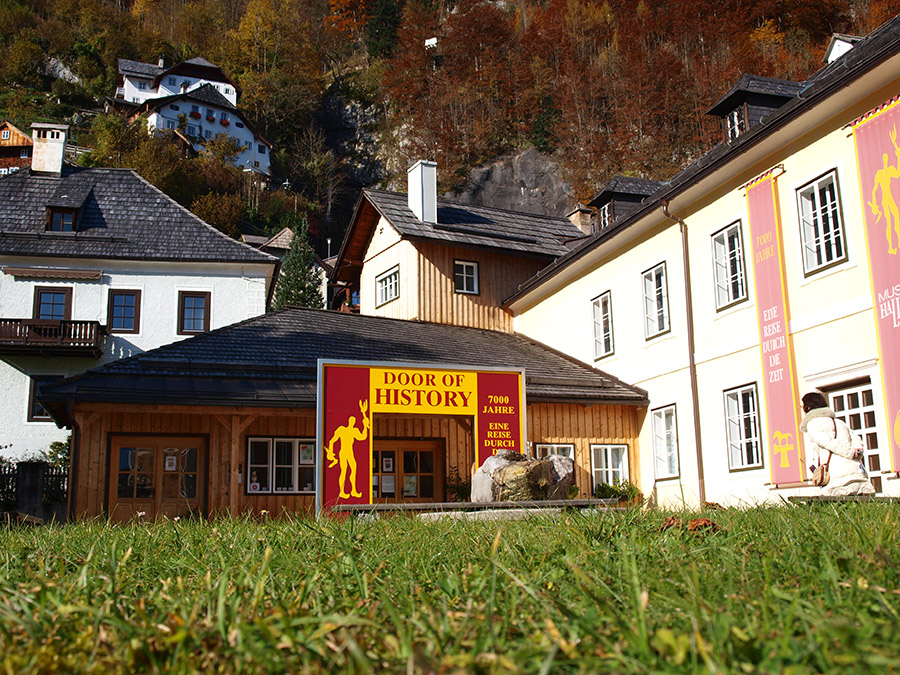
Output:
x=665 y=442
x=742 y=428
x=728 y=266
x=656 y=301
x=821 y=223
x=601 y=309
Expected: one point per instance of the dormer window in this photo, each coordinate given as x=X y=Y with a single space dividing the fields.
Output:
x=171 y=81
x=59 y=220
x=734 y=124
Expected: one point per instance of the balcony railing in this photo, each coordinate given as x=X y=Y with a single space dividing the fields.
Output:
x=51 y=336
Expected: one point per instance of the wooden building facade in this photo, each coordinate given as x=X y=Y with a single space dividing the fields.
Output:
x=212 y=428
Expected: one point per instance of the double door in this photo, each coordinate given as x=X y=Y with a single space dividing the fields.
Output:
x=408 y=471
x=153 y=476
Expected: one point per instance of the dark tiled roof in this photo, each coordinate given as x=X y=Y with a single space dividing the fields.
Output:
x=200 y=61
x=470 y=225
x=867 y=54
x=149 y=70
x=271 y=360
x=207 y=94
x=628 y=185
x=755 y=84
x=122 y=217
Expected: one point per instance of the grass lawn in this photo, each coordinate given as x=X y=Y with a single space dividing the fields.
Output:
x=779 y=589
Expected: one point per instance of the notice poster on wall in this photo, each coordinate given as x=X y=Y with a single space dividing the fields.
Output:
x=779 y=380
x=351 y=393
x=878 y=161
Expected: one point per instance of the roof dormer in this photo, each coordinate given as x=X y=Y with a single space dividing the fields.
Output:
x=621 y=196
x=750 y=101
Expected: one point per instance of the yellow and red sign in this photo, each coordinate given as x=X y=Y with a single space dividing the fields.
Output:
x=350 y=393
x=878 y=161
x=779 y=379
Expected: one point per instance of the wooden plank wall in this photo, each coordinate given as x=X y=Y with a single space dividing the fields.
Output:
x=547 y=423
x=499 y=275
x=584 y=425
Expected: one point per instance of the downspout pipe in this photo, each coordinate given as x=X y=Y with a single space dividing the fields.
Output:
x=692 y=365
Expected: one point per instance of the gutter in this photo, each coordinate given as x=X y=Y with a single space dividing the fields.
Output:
x=692 y=364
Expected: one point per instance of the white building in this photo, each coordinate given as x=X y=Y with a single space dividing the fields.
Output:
x=96 y=265
x=195 y=97
x=755 y=275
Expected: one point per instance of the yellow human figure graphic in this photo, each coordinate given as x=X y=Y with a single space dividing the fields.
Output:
x=347 y=435
x=883 y=178
x=782 y=446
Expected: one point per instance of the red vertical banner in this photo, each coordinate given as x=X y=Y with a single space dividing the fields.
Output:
x=500 y=415
x=346 y=452
x=878 y=162
x=779 y=379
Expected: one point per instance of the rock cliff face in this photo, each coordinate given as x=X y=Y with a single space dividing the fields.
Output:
x=528 y=181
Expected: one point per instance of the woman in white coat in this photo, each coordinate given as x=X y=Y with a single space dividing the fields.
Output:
x=830 y=440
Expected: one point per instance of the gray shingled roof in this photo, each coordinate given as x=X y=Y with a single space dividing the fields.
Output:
x=629 y=185
x=470 y=225
x=129 y=67
x=755 y=84
x=868 y=53
x=122 y=217
x=271 y=361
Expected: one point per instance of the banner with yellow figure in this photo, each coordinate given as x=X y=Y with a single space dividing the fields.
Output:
x=779 y=379
x=878 y=161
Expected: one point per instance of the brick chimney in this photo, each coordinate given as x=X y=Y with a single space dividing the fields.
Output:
x=422 y=190
x=49 y=149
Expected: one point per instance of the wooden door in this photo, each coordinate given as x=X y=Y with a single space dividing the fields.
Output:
x=408 y=471
x=154 y=476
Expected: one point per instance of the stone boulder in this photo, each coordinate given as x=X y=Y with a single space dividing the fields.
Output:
x=511 y=477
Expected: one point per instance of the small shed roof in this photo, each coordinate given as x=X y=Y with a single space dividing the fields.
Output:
x=271 y=360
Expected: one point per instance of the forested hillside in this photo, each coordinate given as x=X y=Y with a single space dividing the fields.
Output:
x=350 y=91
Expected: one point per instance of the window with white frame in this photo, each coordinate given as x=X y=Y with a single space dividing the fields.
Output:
x=5 y=134
x=665 y=443
x=728 y=266
x=604 y=216
x=281 y=465
x=742 y=428
x=821 y=224
x=855 y=405
x=656 y=301
x=564 y=449
x=734 y=123
x=609 y=465
x=387 y=286
x=141 y=85
x=603 y=327
x=465 y=277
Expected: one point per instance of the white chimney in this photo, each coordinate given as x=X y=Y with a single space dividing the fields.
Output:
x=49 y=149
x=422 y=190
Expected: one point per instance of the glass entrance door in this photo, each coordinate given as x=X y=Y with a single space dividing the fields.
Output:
x=157 y=476
x=408 y=471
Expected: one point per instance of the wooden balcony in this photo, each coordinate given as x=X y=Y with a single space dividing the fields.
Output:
x=48 y=337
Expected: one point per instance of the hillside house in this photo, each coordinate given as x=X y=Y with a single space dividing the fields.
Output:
x=96 y=265
x=764 y=270
x=15 y=149
x=414 y=256
x=197 y=100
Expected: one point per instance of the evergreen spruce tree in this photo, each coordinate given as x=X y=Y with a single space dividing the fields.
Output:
x=299 y=283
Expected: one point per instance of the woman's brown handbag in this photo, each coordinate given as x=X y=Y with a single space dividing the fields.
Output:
x=820 y=475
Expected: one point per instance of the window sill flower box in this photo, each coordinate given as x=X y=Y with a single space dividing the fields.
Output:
x=225 y=123
x=195 y=115
x=210 y=118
